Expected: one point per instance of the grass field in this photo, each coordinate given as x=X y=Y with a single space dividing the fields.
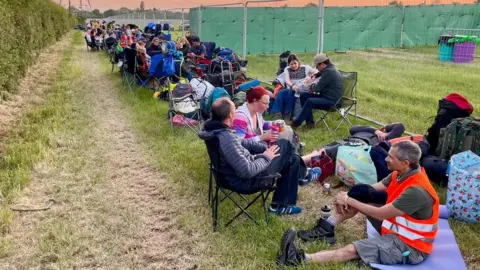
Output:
x=394 y=85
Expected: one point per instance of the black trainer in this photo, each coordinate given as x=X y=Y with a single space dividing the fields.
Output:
x=322 y=231
x=289 y=255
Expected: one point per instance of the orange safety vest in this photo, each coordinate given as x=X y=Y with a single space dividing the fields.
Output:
x=416 y=233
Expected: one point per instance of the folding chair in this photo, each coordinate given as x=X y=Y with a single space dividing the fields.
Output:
x=186 y=107
x=224 y=190
x=129 y=68
x=346 y=103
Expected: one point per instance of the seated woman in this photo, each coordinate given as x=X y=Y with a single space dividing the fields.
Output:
x=154 y=48
x=248 y=123
x=183 y=46
x=142 y=61
x=295 y=73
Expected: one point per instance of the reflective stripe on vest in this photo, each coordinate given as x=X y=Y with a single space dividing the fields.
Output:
x=404 y=232
x=416 y=226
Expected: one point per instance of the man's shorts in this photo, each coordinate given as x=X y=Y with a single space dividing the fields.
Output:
x=387 y=249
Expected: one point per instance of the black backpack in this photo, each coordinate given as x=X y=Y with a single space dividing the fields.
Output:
x=283 y=62
x=447 y=111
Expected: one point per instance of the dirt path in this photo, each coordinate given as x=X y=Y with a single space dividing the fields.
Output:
x=113 y=209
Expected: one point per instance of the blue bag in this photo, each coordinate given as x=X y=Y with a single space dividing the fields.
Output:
x=354 y=165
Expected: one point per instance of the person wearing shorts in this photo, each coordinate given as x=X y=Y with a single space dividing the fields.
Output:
x=403 y=208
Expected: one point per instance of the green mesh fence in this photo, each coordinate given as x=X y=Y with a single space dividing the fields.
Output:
x=274 y=30
x=424 y=24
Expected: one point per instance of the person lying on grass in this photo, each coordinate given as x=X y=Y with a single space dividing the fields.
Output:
x=249 y=159
x=407 y=222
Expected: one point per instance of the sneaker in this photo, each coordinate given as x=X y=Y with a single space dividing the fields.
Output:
x=289 y=255
x=285 y=210
x=322 y=231
x=312 y=175
x=120 y=63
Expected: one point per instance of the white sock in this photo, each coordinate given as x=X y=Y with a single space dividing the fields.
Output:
x=332 y=220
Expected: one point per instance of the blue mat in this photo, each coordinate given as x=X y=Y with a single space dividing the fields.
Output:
x=445 y=254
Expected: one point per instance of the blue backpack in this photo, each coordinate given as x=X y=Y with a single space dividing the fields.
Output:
x=216 y=94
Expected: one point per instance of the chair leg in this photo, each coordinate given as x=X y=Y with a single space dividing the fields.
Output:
x=170 y=114
x=322 y=117
x=210 y=184
x=264 y=205
x=243 y=210
x=215 y=210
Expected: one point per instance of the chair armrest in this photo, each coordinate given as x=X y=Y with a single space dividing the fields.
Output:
x=351 y=99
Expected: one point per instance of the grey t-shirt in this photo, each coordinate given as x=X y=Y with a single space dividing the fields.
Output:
x=414 y=201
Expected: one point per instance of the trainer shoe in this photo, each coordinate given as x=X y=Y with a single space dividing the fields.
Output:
x=285 y=210
x=289 y=255
x=322 y=231
x=312 y=175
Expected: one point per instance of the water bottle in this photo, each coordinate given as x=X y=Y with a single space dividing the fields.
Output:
x=325 y=212
x=274 y=131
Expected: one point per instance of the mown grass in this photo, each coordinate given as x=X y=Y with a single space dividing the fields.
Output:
x=397 y=85
x=30 y=139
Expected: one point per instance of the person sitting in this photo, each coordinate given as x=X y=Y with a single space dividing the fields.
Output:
x=407 y=222
x=183 y=46
x=197 y=50
x=248 y=123
x=295 y=73
x=154 y=48
x=325 y=94
x=248 y=159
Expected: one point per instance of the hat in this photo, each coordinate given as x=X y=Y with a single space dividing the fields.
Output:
x=319 y=58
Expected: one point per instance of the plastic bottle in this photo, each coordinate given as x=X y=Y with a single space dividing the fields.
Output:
x=325 y=212
x=274 y=130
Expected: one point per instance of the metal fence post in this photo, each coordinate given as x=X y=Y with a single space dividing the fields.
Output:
x=200 y=21
x=321 y=11
x=244 y=39
x=183 y=24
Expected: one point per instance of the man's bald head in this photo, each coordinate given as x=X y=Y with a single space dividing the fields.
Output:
x=222 y=108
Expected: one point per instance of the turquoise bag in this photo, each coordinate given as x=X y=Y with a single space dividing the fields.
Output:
x=463 y=194
x=355 y=166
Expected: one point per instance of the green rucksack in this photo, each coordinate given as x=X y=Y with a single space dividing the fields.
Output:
x=460 y=135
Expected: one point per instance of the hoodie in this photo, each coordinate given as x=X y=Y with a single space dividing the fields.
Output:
x=244 y=158
x=243 y=124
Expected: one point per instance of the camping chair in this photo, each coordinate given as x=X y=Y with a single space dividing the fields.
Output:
x=129 y=68
x=184 y=109
x=222 y=188
x=346 y=103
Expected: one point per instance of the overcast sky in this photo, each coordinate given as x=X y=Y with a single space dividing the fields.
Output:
x=168 y=4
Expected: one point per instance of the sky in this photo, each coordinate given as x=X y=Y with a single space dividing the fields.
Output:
x=103 y=5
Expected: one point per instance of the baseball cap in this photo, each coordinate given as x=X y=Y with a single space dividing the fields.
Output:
x=319 y=58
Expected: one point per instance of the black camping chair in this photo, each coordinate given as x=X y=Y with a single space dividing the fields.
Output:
x=345 y=104
x=129 y=69
x=222 y=188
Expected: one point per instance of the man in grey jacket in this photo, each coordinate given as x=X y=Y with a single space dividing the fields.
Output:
x=326 y=93
x=249 y=159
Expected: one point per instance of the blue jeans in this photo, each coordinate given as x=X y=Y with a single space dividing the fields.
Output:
x=309 y=102
x=284 y=101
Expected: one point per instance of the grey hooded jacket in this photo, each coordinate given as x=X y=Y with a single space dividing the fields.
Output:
x=242 y=157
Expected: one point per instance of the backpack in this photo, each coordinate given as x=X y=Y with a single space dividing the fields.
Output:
x=463 y=193
x=216 y=94
x=283 y=62
x=201 y=88
x=451 y=107
x=460 y=135
x=181 y=90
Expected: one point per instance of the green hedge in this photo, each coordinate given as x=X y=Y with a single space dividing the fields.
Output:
x=27 y=26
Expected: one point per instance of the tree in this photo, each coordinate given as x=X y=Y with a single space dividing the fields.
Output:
x=477 y=1
x=109 y=13
x=154 y=9
x=142 y=6
x=311 y=5
x=96 y=13
x=123 y=10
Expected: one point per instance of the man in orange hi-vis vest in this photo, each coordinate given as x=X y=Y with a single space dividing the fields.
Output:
x=407 y=221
